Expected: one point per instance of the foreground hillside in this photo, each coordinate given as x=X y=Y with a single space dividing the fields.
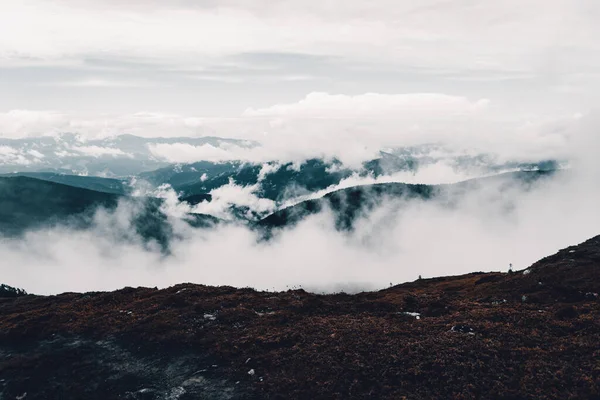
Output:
x=529 y=334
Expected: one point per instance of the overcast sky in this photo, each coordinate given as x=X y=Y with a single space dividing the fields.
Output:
x=339 y=78
x=520 y=60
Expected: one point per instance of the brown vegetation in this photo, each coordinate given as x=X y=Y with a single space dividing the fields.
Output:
x=496 y=335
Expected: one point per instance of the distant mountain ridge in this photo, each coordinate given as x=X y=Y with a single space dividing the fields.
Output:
x=29 y=203
x=136 y=170
x=348 y=204
x=128 y=155
x=282 y=181
x=118 y=156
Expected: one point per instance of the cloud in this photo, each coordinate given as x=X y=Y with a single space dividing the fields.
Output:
x=104 y=83
x=350 y=128
x=509 y=35
x=257 y=78
x=35 y=153
x=490 y=227
x=181 y=57
x=9 y=155
x=22 y=123
x=97 y=151
x=232 y=195
x=64 y=153
x=354 y=128
x=438 y=173
x=486 y=231
x=33 y=123
x=220 y=78
x=187 y=153
x=508 y=78
x=373 y=105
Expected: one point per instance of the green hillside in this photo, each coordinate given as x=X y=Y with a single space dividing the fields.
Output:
x=350 y=203
x=96 y=183
x=28 y=203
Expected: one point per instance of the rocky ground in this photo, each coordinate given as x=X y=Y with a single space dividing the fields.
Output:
x=529 y=334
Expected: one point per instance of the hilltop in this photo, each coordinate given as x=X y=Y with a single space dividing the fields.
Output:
x=529 y=334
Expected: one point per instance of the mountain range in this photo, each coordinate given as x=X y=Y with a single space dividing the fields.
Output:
x=116 y=156
x=126 y=165
x=348 y=204
x=28 y=204
x=31 y=203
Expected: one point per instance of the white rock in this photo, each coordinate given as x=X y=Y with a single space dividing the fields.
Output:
x=210 y=317
x=412 y=314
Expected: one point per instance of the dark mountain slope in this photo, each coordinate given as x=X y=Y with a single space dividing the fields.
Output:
x=347 y=204
x=28 y=203
x=350 y=203
x=98 y=184
x=188 y=174
x=283 y=180
x=525 y=335
x=196 y=199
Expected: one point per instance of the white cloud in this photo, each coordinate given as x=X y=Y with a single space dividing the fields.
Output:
x=508 y=35
x=104 y=83
x=267 y=169
x=31 y=123
x=19 y=157
x=64 y=153
x=351 y=128
x=220 y=78
x=35 y=153
x=22 y=123
x=439 y=173
x=411 y=106
x=488 y=229
x=226 y=196
x=393 y=244
x=9 y=155
x=518 y=54
x=550 y=47
x=97 y=151
x=187 y=153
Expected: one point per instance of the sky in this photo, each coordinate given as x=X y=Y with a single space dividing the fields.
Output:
x=92 y=59
x=305 y=78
